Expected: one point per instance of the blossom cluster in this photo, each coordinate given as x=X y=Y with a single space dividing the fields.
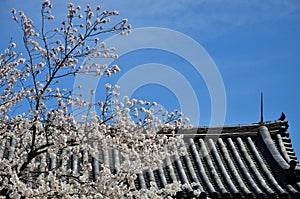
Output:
x=44 y=151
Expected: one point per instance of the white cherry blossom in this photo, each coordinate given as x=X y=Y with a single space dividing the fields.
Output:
x=46 y=135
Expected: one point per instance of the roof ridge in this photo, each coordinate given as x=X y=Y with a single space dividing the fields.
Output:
x=277 y=126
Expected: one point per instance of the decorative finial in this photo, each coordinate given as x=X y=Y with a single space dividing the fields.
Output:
x=282 y=117
x=261 y=107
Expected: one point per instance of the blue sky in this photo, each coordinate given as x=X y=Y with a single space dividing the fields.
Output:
x=255 y=45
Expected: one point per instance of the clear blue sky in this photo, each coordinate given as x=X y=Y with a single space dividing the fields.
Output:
x=255 y=44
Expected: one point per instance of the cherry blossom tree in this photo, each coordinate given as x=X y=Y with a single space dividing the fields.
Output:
x=45 y=136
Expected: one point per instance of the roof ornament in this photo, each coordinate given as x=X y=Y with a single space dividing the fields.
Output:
x=293 y=165
x=261 y=108
x=282 y=116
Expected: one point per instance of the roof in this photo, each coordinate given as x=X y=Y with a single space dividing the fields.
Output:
x=250 y=161
x=243 y=161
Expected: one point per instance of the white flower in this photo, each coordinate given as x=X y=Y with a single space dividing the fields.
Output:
x=107 y=86
x=103 y=45
x=70 y=5
x=115 y=68
x=136 y=114
x=134 y=101
x=83 y=117
x=187 y=120
x=13 y=45
x=92 y=91
x=125 y=98
x=116 y=87
x=51 y=17
x=41 y=64
x=21 y=60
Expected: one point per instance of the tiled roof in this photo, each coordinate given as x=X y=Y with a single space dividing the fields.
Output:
x=248 y=161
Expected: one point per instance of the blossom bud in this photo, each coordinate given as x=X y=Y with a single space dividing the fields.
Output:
x=13 y=11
